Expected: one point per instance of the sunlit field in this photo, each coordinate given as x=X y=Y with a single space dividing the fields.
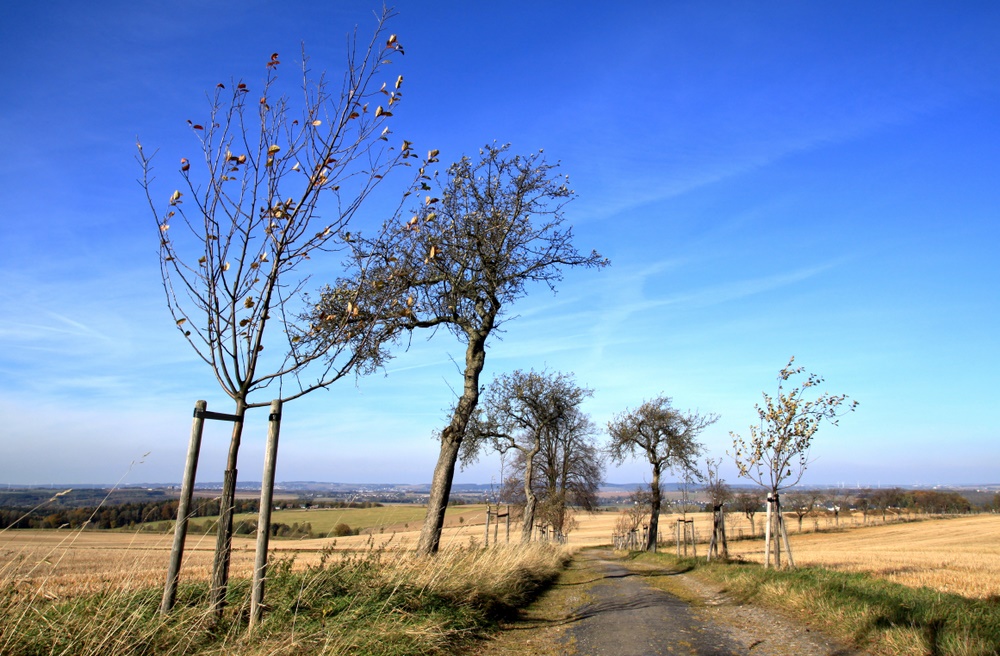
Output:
x=960 y=555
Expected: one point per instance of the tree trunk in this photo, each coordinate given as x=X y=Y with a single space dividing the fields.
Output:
x=451 y=441
x=437 y=503
x=224 y=537
x=529 y=495
x=654 y=513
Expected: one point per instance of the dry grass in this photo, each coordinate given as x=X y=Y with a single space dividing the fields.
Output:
x=97 y=592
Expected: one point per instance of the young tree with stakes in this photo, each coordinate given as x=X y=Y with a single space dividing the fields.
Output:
x=776 y=454
x=277 y=182
x=464 y=258
x=666 y=437
x=719 y=494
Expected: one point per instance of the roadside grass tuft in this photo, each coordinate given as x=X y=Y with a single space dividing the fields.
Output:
x=381 y=602
x=879 y=616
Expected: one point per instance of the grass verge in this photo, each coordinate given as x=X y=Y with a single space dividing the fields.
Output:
x=873 y=614
x=382 y=602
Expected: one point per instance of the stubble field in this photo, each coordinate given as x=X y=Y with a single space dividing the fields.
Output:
x=959 y=555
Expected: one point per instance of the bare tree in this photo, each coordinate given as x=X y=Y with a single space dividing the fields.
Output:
x=716 y=488
x=567 y=470
x=523 y=412
x=275 y=183
x=802 y=503
x=665 y=437
x=571 y=467
x=887 y=498
x=863 y=502
x=776 y=454
x=466 y=256
x=749 y=504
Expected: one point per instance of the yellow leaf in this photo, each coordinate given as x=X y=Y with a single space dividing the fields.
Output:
x=273 y=149
x=225 y=267
x=175 y=197
x=379 y=111
x=181 y=321
x=409 y=301
x=295 y=167
x=399 y=81
x=317 y=123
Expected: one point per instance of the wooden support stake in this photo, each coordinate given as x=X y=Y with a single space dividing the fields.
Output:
x=767 y=535
x=486 y=535
x=264 y=515
x=788 y=547
x=508 y=524
x=184 y=508
x=725 y=543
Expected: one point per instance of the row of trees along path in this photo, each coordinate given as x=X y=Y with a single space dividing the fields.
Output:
x=775 y=455
x=267 y=203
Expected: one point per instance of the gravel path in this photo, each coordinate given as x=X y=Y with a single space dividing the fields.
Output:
x=624 y=614
x=629 y=617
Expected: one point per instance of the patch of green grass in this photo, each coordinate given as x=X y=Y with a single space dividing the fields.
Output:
x=382 y=602
x=877 y=615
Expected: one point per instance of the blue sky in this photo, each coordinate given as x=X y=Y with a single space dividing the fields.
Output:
x=812 y=179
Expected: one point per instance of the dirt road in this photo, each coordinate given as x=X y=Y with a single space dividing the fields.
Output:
x=603 y=606
x=629 y=617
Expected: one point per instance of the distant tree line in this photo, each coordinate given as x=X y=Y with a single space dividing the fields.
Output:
x=110 y=516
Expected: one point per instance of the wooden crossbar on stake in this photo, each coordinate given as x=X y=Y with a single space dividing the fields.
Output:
x=682 y=536
x=221 y=416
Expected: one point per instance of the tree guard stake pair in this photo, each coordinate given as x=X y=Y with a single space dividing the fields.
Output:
x=201 y=413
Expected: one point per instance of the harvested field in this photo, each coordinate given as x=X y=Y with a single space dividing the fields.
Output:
x=959 y=555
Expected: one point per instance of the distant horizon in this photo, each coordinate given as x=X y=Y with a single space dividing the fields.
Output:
x=460 y=486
